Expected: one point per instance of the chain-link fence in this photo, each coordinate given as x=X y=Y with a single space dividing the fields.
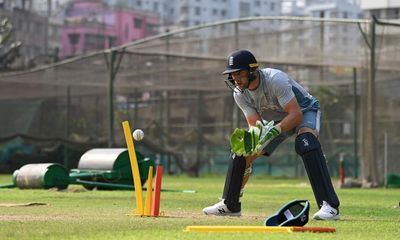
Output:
x=171 y=86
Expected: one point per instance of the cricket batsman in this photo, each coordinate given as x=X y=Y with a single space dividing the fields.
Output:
x=270 y=94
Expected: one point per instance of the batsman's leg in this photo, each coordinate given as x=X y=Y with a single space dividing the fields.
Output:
x=230 y=204
x=233 y=182
x=309 y=148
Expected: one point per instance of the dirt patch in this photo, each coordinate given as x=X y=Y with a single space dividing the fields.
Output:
x=67 y=190
x=199 y=215
x=29 y=218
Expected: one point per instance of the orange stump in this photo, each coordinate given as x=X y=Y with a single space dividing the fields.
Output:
x=342 y=172
x=155 y=206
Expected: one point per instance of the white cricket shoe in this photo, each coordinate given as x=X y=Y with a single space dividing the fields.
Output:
x=327 y=213
x=220 y=209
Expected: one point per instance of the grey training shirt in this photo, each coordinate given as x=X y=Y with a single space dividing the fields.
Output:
x=275 y=90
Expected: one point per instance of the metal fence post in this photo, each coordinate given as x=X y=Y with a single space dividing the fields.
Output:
x=113 y=65
x=67 y=125
x=355 y=122
x=236 y=112
x=111 y=77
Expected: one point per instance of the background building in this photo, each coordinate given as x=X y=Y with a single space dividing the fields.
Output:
x=30 y=29
x=92 y=25
x=167 y=10
x=322 y=8
x=381 y=9
x=187 y=13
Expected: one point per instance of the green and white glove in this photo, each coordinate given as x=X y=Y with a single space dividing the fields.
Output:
x=246 y=143
x=268 y=131
x=243 y=143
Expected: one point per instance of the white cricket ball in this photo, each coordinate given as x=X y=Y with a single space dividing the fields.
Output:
x=138 y=134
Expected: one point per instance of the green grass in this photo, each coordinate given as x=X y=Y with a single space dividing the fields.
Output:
x=80 y=214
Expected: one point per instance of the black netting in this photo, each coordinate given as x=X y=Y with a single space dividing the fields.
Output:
x=171 y=86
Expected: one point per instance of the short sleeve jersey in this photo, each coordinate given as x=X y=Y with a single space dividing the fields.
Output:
x=275 y=90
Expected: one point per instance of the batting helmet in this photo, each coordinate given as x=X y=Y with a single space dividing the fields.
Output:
x=240 y=60
x=294 y=213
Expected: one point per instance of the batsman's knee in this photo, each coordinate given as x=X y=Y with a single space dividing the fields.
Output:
x=306 y=142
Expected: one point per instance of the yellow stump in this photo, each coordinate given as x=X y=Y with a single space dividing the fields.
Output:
x=147 y=208
x=135 y=168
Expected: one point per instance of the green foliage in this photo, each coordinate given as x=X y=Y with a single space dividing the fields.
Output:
x=81 y=214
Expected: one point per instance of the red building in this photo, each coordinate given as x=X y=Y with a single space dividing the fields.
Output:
x=92 y=25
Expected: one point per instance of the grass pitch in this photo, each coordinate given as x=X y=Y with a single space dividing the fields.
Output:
x=80 y=214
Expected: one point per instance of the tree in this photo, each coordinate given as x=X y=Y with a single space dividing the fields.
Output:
x=9 y=50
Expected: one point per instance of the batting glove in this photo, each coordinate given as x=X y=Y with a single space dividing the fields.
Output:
x=243 y=143
x=268 y=131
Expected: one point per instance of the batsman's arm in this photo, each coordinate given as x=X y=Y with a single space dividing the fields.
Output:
x=252 y=119
x=294 y=117
x=268 y=131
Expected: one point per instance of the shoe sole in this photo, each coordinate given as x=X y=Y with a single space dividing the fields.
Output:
x=224 y=215
x=335 y=218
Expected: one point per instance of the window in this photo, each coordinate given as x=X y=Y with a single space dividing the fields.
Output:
x=112 y=41
x=155 y=6
x=223 y=13
x=126 y=31
x=184 y=9
x=151 y=29
x=214 y=11
x=94 y=42
x=137 y=22
x=73 y=38
x=197 y=11
x=272 y=6
x=244 y=9
x=257 y=3
x=375 y=13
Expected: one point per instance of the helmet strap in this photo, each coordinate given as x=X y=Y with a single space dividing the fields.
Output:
x=251 y=76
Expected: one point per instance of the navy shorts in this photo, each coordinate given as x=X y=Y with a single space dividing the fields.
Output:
x=311 y=119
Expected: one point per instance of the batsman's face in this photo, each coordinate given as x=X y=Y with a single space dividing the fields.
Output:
x=240 y=79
